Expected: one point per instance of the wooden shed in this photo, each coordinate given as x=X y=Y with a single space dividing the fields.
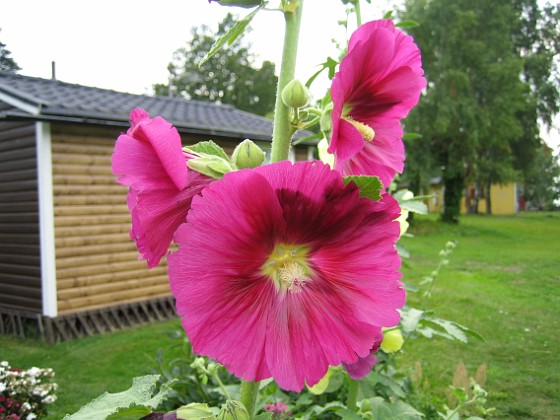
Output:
x=67 y=264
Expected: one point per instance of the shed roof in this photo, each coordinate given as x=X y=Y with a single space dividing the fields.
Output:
x=24 y=97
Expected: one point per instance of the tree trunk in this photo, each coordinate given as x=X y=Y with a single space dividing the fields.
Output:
x=453 y=184
x=488 y=200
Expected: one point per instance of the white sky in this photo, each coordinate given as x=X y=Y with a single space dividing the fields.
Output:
x=126 y=45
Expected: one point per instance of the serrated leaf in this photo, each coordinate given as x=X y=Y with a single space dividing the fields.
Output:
x=231 y=35
x=208 y=148
x=407 y=24
x=370 y=186
x=135 y=400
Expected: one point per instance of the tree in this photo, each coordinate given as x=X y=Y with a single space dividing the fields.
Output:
x=7 y=63
x=479 y=116
x=542 y=184
x=228 y=77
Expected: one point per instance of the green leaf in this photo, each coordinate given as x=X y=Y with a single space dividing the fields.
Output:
x=407 y=24
x=231 y=35
x=412 y=136
x=137 y=400
x=388 y=15
x=240 y=3
x=346 y=414
x=403 y=252
x=410 y=318
x=450 y=327
x=264 y=416
x=414 y=206
x=398 y=410
x=330 y=64
x=207 y=148
x=370 y=186
x=195 y=411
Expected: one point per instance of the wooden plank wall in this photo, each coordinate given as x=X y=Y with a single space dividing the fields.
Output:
x=20 y=265
x=96 y=261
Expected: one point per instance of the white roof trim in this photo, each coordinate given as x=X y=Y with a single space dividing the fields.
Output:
x=20 y=104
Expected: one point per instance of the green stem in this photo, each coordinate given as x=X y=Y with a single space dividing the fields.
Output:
x=358 y=10
x=283 y=131
x=352 y=398
x=249 y=393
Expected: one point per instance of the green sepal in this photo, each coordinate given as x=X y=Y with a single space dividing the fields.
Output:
x=135 y=401
x=207 y=148
x=370 y=186
x=231 y=35
x=212 y=166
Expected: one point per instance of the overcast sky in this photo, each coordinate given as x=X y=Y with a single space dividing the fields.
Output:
x=126 y=45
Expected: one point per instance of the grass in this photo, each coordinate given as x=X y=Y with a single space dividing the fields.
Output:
x=503 y=281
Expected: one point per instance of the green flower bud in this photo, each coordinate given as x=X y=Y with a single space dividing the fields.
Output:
x=392 y=340
x=247 y=155
x=233 y=410
x=295 y=95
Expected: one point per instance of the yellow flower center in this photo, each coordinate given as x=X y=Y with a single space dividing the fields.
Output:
x=288 y=268
x=365 y=130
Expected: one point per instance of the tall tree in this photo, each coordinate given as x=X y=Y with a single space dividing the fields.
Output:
x=480 y=108
x=7 y=63
x=228 y=77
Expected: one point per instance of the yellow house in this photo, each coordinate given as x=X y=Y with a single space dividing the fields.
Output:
x=505 y=199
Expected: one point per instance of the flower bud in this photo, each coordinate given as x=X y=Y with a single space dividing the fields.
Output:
x=392 y=340
x=233 y=410
x=247 y=155
x=295 y=95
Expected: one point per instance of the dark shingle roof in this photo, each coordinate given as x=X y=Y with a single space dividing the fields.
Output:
x=59 y=101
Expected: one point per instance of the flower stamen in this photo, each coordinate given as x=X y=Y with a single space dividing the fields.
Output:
x=293 y=277
x=365 y=130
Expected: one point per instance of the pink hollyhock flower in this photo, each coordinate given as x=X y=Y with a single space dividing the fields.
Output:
x=150 y=160
x=363 y=366
x=378 y=83
x=282 y=271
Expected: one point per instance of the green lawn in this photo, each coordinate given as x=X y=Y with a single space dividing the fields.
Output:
x=503 y=280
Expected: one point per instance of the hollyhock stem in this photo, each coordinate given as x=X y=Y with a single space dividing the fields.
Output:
x=352 y=397
x=249 y=393
x=358 y=12
x=283 y=130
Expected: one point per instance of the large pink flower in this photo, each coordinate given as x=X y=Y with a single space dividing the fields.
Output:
x=283 y=271
x=150 y=160
x=378 y=83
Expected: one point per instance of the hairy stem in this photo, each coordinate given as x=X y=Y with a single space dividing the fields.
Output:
x=283 y=131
